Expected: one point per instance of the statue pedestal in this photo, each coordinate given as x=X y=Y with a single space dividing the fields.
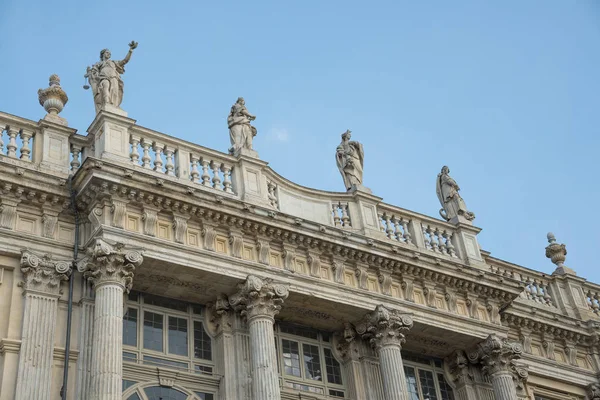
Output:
x=245 y=152
x=114 y=110
x=359 y=188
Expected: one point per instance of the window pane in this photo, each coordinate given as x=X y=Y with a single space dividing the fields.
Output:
x=411 y=383
x=128 y=356
x=334 y=372
x=165 y=363
x=127 y=384
x=298 y=331
x=178 y=336
x=153 y=331
x=446 y=390
x=165 y=302
x=336 y=393
x=130 y=327
x=134 y=397
x=291 y=357
x=427 y=384
x=202 y=342
x=203 y=369
x=205 y=396
x=312 y=362
x=164 y=393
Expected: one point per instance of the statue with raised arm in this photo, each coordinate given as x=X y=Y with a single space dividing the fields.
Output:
x=105 y=79
x=452 y=204
x=349 y=157
x=241 y=132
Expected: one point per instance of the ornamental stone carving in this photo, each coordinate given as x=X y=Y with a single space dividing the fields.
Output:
x=557 y=253
x=106 y=263
x=385 y=327
x=345 y=343
x=350 y=159
x=497 y=354
x=259 y=297
x=42 y=273
x=458 y=365
x=105 y=79
x=241 y=133
x=53 y=99
x=593 y=391
x=453 y=206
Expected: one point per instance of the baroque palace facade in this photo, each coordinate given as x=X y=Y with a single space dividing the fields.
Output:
x=205 y=275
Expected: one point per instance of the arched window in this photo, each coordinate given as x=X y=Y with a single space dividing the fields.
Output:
x=155 y=392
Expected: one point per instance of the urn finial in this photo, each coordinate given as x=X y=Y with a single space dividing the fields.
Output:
x=53 y=99
x=557 y=253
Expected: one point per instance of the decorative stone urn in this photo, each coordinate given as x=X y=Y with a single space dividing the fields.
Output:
x=53 y=99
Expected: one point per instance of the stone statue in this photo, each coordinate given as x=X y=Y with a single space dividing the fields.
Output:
x=105 y=80
x=350 y=157
x=453 y=205
x=241 y=132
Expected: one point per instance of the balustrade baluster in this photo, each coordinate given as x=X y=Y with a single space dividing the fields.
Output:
x=11 y=147
x=406 y=235
x=169 y=166
x=397 y=229
x=382 y=226
x=426 y=238
x=595 y=302
x=547 y=297
x=1 y=141
x=389 y=228
x=345 y=217
x=433 y=239
x=146 y=159
x=75 y=164
x=336 y=217
x=134 y=155
x=226 y=178
x=25 y=149
x=205 y=175
x=528 y=288
x=441 y=241
x=449 y=245
x=216 y=180
x=158 y=164
x=195 y=173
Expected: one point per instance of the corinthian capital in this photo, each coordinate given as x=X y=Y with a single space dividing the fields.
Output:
x=385 y=327
x=259 y=297
x=107 y=263
x=458 y=364
x=42 y=273
x=593 y=391
x=497 y=354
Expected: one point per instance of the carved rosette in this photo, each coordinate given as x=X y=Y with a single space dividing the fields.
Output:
x=108 y=263
x=42 y=273
x=497 y=354
x=385 y=327
x=257 y=297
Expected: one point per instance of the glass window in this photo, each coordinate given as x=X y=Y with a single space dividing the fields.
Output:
x=178 y=336
x=130 y=327
x=165 y=302
x=153 y=331
x=445 y=388
x=334 y=372
x=291 y=357
x=202 y=342
x=336 y=393
x=127 y=384
x=205 y=396
x=128 y=356
x=134 y=397
x=427 y=384
x=161 y=362
x=312 y=362
x=411 y=383
x=164 y=393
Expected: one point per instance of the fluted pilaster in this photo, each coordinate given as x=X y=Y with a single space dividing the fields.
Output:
x=86 y=333
x=347 y=348
x=41 y=284
x=109 y=267
x=458 y=365
x=260 y=300
x=385 y=329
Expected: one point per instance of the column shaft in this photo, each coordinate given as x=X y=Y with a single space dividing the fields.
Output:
x=263 y=361
x=107 y=357
x=34 y=377
x=355 y=380
x=392 y=373
x=504 y=387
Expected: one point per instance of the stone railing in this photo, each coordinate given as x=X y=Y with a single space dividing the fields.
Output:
x=591 y=293
x=536 y=284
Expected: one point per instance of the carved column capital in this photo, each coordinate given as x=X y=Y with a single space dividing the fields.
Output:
x=346 y=344
x=458 y=365
x=110 y=263
x=258 y=297
x=42 y=273
x=219 y=316
x=593 y=391
x=520 y=374
x=385 y=327
x=497 y=354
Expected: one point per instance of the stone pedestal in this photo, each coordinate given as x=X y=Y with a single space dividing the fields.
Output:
x=385 y=328
x=42 y=277
x=110 y=270
x=259 y=300
x=111 y=136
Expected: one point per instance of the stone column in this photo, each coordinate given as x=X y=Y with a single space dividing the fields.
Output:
x=497 y=357
x=41 y=284
x=109 y=267
x=458 y=364
x=259 y=300
x=385 y=328
x=220 y=321
x=347 y=348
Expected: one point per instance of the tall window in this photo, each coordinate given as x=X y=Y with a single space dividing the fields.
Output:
x=306 y=361
x=165 y=332
x=425 y=378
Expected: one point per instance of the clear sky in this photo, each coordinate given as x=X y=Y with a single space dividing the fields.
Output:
x=505 y=93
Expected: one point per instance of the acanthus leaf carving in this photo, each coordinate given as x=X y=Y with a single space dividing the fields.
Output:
x=385 y=327
x=180 y=226
x=43 y=273
x=258 y=297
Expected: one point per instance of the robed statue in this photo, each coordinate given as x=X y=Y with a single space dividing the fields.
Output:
x=241 y=132
x=452 y=204
x=349 y=157
x=105 y=79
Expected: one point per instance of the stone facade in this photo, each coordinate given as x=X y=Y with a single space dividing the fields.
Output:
x=206 y=275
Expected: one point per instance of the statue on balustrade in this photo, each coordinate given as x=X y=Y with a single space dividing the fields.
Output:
x=453 y=205
x=241 y=132
x=350 y=158
x=105 y=80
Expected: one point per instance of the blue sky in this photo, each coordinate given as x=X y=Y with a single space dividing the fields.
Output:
x=504 y=93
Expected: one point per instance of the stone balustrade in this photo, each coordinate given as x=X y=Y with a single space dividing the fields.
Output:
x=536 y=284
x=591 y=294
x=16 y=138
